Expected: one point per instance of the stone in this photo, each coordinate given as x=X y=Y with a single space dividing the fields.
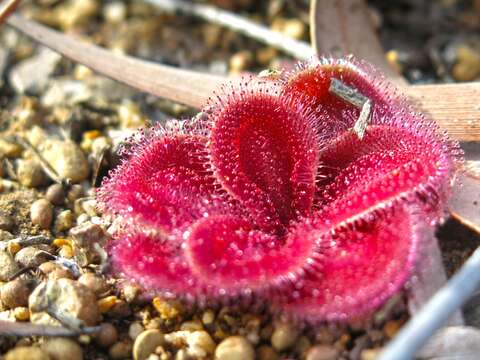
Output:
x=8 y=266
x=15 y=293
x=32 y=256
x=235 y=348
x=120 y=350
x=27 y=353
x=31 y=75
x=199 y=343
x=134 y=330
x=467 y=67
x=67 y=159
x=55 y=194
x=66 y=295
x=85 y=237
x=62 y=348
x=265 y=352
x=65 y=221
x=61 y=92
x=107 y=336
x=322 y=352
x=30 y=173
x=94 y=282
x=146 y=343
x=9 y=149
x=41 y=213
x=284 y=336
x=55 y=271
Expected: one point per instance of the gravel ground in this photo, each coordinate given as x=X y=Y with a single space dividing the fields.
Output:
x=59 y=120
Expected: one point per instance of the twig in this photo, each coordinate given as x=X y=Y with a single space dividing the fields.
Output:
x=436 y=312
x=28 y=329
x=297 y=49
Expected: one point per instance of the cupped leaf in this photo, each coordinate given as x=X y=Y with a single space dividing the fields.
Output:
x=230 y=257
x=358 y=266
x=164 y=183
x=264 y=150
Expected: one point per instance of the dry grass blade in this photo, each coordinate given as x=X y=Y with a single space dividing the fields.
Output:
x=187 y=87
x=6 y=8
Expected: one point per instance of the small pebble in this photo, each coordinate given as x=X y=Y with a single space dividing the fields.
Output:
x=208 y=317
x=94 y=282
x=55 y=194
x=67 y=159
x=9 y=149
x=30 y=173
x=146 y=343
x=131 y=292
x=467 y=67
x=107 y=303
x=193 y=325
x=370 y=354
x=322 y=352
x=41 y=213
x=134 y=330
x=8 y=266
x=15 y=293
x=266 y=352
x=85 y=239
x=167 y=309
x=65 y=220
x=62 y=348
x=120 y=350
x=67 y=296
x=235 y=348
x=107 y=336
x=284 y=337
x=32 y=256
x=391 y=328
x=115 y=12
x=21 y=313
x=27 y=353
x=55 y=271
x=75 y=192
x=240 y=61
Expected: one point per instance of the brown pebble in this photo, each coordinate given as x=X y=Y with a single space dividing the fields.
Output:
x=322 y=352
x=41 y=213
x=94 y=282
x=120 y=310
x=55 y=271
x=30 y=173
x=33 y=256
x=27 y=353
x=284 y=337
x=76 y=192
x=15 y=293
x=55 y=194
x=120 y=350
x=134 y=330
x=146 y=343
x=265 y=352
x=107 y=336
x=8 y=266
x=62 y=349
x=235 y=348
